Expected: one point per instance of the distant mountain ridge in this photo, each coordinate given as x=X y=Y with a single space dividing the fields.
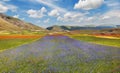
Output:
x=11 y=24
x=118 y=26
x=8 y=23
x=71 y=28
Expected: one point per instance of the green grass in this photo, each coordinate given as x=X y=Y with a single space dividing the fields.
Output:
x=67 y=64
x=50 y=61
x=11 y=43
x=98 y=40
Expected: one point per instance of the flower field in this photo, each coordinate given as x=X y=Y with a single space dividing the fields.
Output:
x=60 y=54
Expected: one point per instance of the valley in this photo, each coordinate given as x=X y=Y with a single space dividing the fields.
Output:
x=27 y=48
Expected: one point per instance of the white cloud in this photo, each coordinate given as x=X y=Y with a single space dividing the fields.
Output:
x=39 y=21
x=12 y=8
x=3 y=8
x=88 y=4
x=71 y=16
x=50 y=3
x=54 y=13
x=47 y=20
x=111 y=17
x=78 y=18
x=90 y=18
x=111 y=14
x=59 y=18
x=37 y=13
x=60 y=12
x=105 y=17
x=16 y=16
x=112 y=4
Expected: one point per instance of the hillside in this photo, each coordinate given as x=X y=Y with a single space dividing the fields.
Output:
x=6 y=26
x=8 y=23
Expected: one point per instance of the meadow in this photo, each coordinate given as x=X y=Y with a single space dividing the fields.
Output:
x=60 y=54
x=98 y=40
x=11 y=41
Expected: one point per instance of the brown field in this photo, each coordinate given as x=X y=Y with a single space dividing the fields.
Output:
x=107 y=34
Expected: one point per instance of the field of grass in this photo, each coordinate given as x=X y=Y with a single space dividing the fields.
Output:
x=60 y=54
x=11 y=41
x=98 y=40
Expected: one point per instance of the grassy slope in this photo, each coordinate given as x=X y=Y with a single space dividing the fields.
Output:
x=4 y=25
x=98 y=40
x=10 y=43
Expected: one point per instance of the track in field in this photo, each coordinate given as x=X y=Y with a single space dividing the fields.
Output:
x=60 y=54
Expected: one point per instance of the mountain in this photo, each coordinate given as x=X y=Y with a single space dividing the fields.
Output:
x=113 y=30
x=56 y=28
x=8 y=23
x=118 y=26
x=71 y=28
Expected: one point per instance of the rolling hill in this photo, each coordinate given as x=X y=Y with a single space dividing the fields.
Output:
x=11 y=24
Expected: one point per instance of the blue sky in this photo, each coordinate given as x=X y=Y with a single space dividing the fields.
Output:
x=46 y=13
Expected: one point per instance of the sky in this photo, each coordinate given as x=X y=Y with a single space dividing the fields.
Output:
x=47 y=13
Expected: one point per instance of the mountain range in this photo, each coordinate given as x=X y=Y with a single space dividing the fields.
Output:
x=72 y=28
x=11 y=24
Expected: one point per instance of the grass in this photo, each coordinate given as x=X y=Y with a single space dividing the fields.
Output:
x=14 y=42
x=98 y=40
x=42 y=66
x=67 y=64
x=58 y=60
